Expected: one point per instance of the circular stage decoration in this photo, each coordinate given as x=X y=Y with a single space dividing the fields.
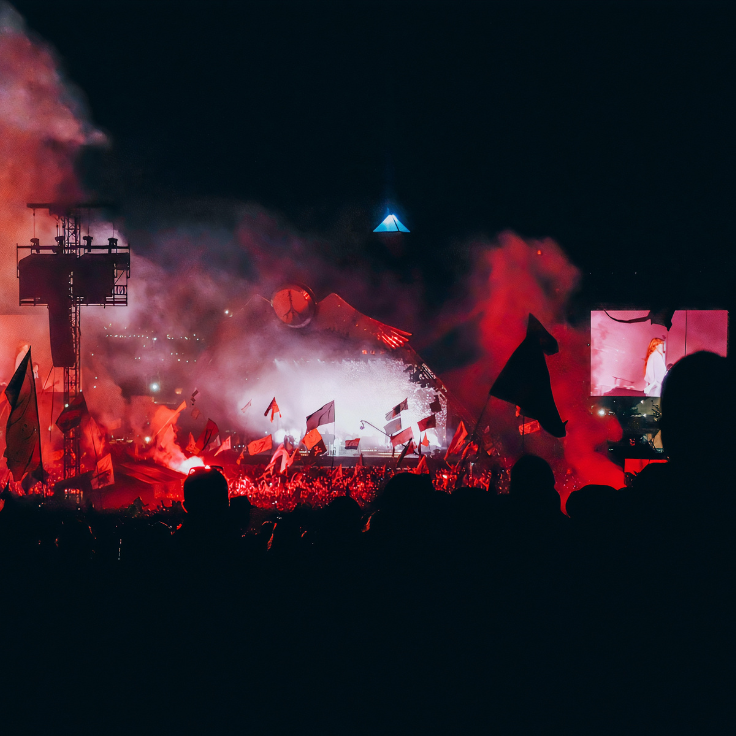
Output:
x=294 y=305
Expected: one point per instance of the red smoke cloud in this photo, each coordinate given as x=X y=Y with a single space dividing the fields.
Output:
x=42 y=127
x=513 y=278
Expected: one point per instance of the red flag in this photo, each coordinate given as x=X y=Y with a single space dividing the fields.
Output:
x=425 y=441
x=311 y=438
x=71 y=416
x=196 y=413
x=403 y=406
x=402 y=437
x=210 y=431
x=273 y=407
x=286 y=459
x=338 y=473
x=352 y=444
x=23 y=431
x=192 y=446
x=428 y=423
x=325 y=415
x=422 y=466
x=103 y=474
x=460 y=434
x=226 y=445
x=435 y=407
x=262 y=445
x=245 y=408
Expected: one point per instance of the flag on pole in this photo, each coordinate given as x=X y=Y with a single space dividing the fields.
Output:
x=338 y=473
x=245 y=408
x=273 y=407
x=226 y=445
x=408 y=449
x=208 y=433
x=524 y=380
x=402 y=437
x=325 y=415
x=457 y=441
x=172 y=418
x=393 y=426
x=428 y=423
x=103 y=474
x=422 y=466
x=192 y=446
x=352 y=444
x=262 y=445
x=435 y=407
x=425 y=441
x=311 y=438
x=23 y=431
x=358 y=464
x=403 y=406
x=214 y=444
x=286 y=459
x=71 y=416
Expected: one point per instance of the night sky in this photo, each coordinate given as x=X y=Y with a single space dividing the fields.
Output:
x=607 y=126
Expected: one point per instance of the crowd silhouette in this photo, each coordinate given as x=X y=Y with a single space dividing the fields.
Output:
x=424 y=612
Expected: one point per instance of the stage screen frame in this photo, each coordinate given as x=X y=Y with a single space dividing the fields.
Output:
x=618 y=350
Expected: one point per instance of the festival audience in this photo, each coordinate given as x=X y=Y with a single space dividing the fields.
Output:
x=382 y=604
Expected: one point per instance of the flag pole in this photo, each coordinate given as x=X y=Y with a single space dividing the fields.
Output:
x=53 y=393
x=38 y=421
x=334 y=433
x=480 y=416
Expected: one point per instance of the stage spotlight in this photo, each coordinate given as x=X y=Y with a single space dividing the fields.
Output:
x=154 y=387
x=602 y=412
x=147 y=439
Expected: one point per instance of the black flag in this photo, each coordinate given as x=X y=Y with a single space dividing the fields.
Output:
x=23 y=431
x=524 y=380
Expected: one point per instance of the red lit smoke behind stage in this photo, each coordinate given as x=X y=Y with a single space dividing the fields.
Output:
x=190 y=275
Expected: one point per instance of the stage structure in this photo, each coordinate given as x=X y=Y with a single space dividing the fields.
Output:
x=64 y=277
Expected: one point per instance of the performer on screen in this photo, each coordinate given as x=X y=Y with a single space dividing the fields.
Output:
x=655 y=368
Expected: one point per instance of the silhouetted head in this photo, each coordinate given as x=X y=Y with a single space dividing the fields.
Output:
x=533 y=486
x=240 y=511
x=694 y=394
x=206 y=494
x=592 y=504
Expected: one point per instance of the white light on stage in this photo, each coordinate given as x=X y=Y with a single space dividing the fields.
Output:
x=154 y=387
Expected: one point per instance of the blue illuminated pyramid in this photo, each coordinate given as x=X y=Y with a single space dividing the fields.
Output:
x=391 y=224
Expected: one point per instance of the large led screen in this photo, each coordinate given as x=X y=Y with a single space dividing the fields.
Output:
x=632 y=359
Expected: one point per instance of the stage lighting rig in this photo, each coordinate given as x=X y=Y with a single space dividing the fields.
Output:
x=64 y=277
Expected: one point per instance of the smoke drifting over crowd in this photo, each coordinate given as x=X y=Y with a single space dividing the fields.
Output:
x=197 y=315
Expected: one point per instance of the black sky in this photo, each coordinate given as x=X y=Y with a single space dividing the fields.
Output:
x=608 y=126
